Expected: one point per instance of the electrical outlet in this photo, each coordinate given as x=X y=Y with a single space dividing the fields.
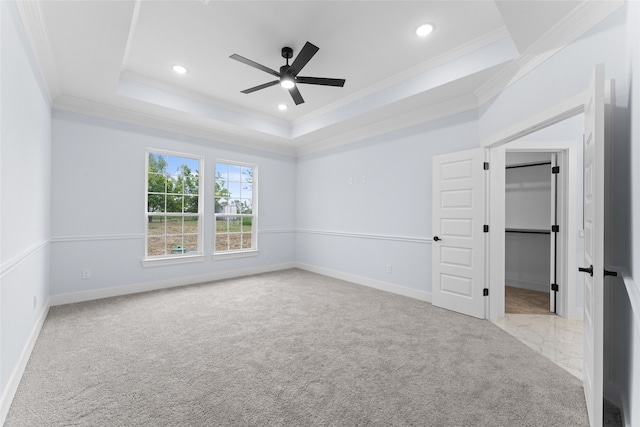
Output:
x=350 y=180
x=388 y=268
x=86 y=274
x=364 y=179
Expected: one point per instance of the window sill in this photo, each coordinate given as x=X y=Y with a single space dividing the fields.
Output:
x=238 y=254
x=155 y=262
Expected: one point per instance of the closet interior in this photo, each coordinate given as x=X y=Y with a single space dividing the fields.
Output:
x=530 y=243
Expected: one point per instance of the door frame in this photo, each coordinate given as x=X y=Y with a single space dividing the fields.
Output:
x=566 y=253
x=496 y=144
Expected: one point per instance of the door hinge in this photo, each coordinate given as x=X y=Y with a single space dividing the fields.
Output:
x=555 y=169
x=485 y=292
x=555 y=228
x=485 y=228
x=554 y=287
x=485 y=166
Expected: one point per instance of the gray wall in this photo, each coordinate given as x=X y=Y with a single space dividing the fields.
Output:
x=98 y=209
x=25 y=165
x=368 y=206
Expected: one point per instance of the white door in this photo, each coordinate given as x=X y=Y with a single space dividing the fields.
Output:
x=594 y=162
x=458 y=262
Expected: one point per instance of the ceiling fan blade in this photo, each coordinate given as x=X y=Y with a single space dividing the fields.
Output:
x=295 y=94
x=305 y=55
x=255 y=65
x=320 y=81
x=263 y=86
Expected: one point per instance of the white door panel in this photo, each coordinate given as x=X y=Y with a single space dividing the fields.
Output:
x=594 y=161
x=457 y=224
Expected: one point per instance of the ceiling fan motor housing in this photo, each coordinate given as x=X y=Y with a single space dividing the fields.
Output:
x=287 y=53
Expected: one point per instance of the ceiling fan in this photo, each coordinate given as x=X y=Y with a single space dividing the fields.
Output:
x=288 y=76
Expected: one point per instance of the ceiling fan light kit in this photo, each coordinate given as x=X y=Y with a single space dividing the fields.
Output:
x=288 y=74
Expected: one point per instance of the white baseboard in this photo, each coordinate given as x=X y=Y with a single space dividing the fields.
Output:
x=364 y=281
x=134 y=288
x=16 y=375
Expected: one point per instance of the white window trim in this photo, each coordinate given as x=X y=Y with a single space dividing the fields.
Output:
x=236 y=254
x=173 y=260
x=253 y=251
x=159 y=260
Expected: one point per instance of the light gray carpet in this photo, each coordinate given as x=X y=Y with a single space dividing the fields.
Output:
x=290 y=348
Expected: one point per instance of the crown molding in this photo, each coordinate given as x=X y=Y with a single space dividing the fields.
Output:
x=568 y=29
x=39 y=39
x=414 y=118
x=423 y=67
x=171 y=88
x=125 y=115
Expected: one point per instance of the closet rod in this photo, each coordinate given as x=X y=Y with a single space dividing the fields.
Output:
x=525 y=231
x=527 y=165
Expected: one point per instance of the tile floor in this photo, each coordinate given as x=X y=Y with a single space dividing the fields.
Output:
x=555 y=337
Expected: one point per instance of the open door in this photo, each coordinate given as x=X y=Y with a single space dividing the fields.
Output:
x=594 y=185
x=458 y=261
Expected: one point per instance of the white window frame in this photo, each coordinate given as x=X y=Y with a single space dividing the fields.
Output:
x=240 y=253
x=150 y=261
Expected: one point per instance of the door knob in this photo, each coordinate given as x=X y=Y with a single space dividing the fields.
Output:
x=587 y=270
x=436 y=238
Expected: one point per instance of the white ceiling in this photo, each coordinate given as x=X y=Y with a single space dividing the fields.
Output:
x=114 y=58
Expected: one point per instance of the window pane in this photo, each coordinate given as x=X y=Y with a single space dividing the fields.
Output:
x=235 y=174
x=156 y=183
x=245 y=206
x=155 y=225
x=193 y=165
x=174 y=204
x=190 y=225
x=191 y=243
x=155 y=245
x=235 y=241
x=220 y=203
x=175 y=245
x=222 y=242
x=191 y=204
x=247 y=174
x=174 y=225
x=174 y=184
x=234 y=190
x=157 y=163
x=190 y=184
x=246 y=224
x=156 y=203
x=246 y=240
x=221 y=225
x=174 y=164
x=235 y=224
x=222 y=170
x=247 y=191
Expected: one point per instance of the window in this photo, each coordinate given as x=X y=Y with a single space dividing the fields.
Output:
x=174 y=208
x=236 y=208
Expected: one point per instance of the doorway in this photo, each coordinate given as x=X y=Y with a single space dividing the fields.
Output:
x=531 y=241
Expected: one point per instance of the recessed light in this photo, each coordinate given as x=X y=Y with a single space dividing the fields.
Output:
x=424 y=30
x=179 y=69
x=282 y=107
